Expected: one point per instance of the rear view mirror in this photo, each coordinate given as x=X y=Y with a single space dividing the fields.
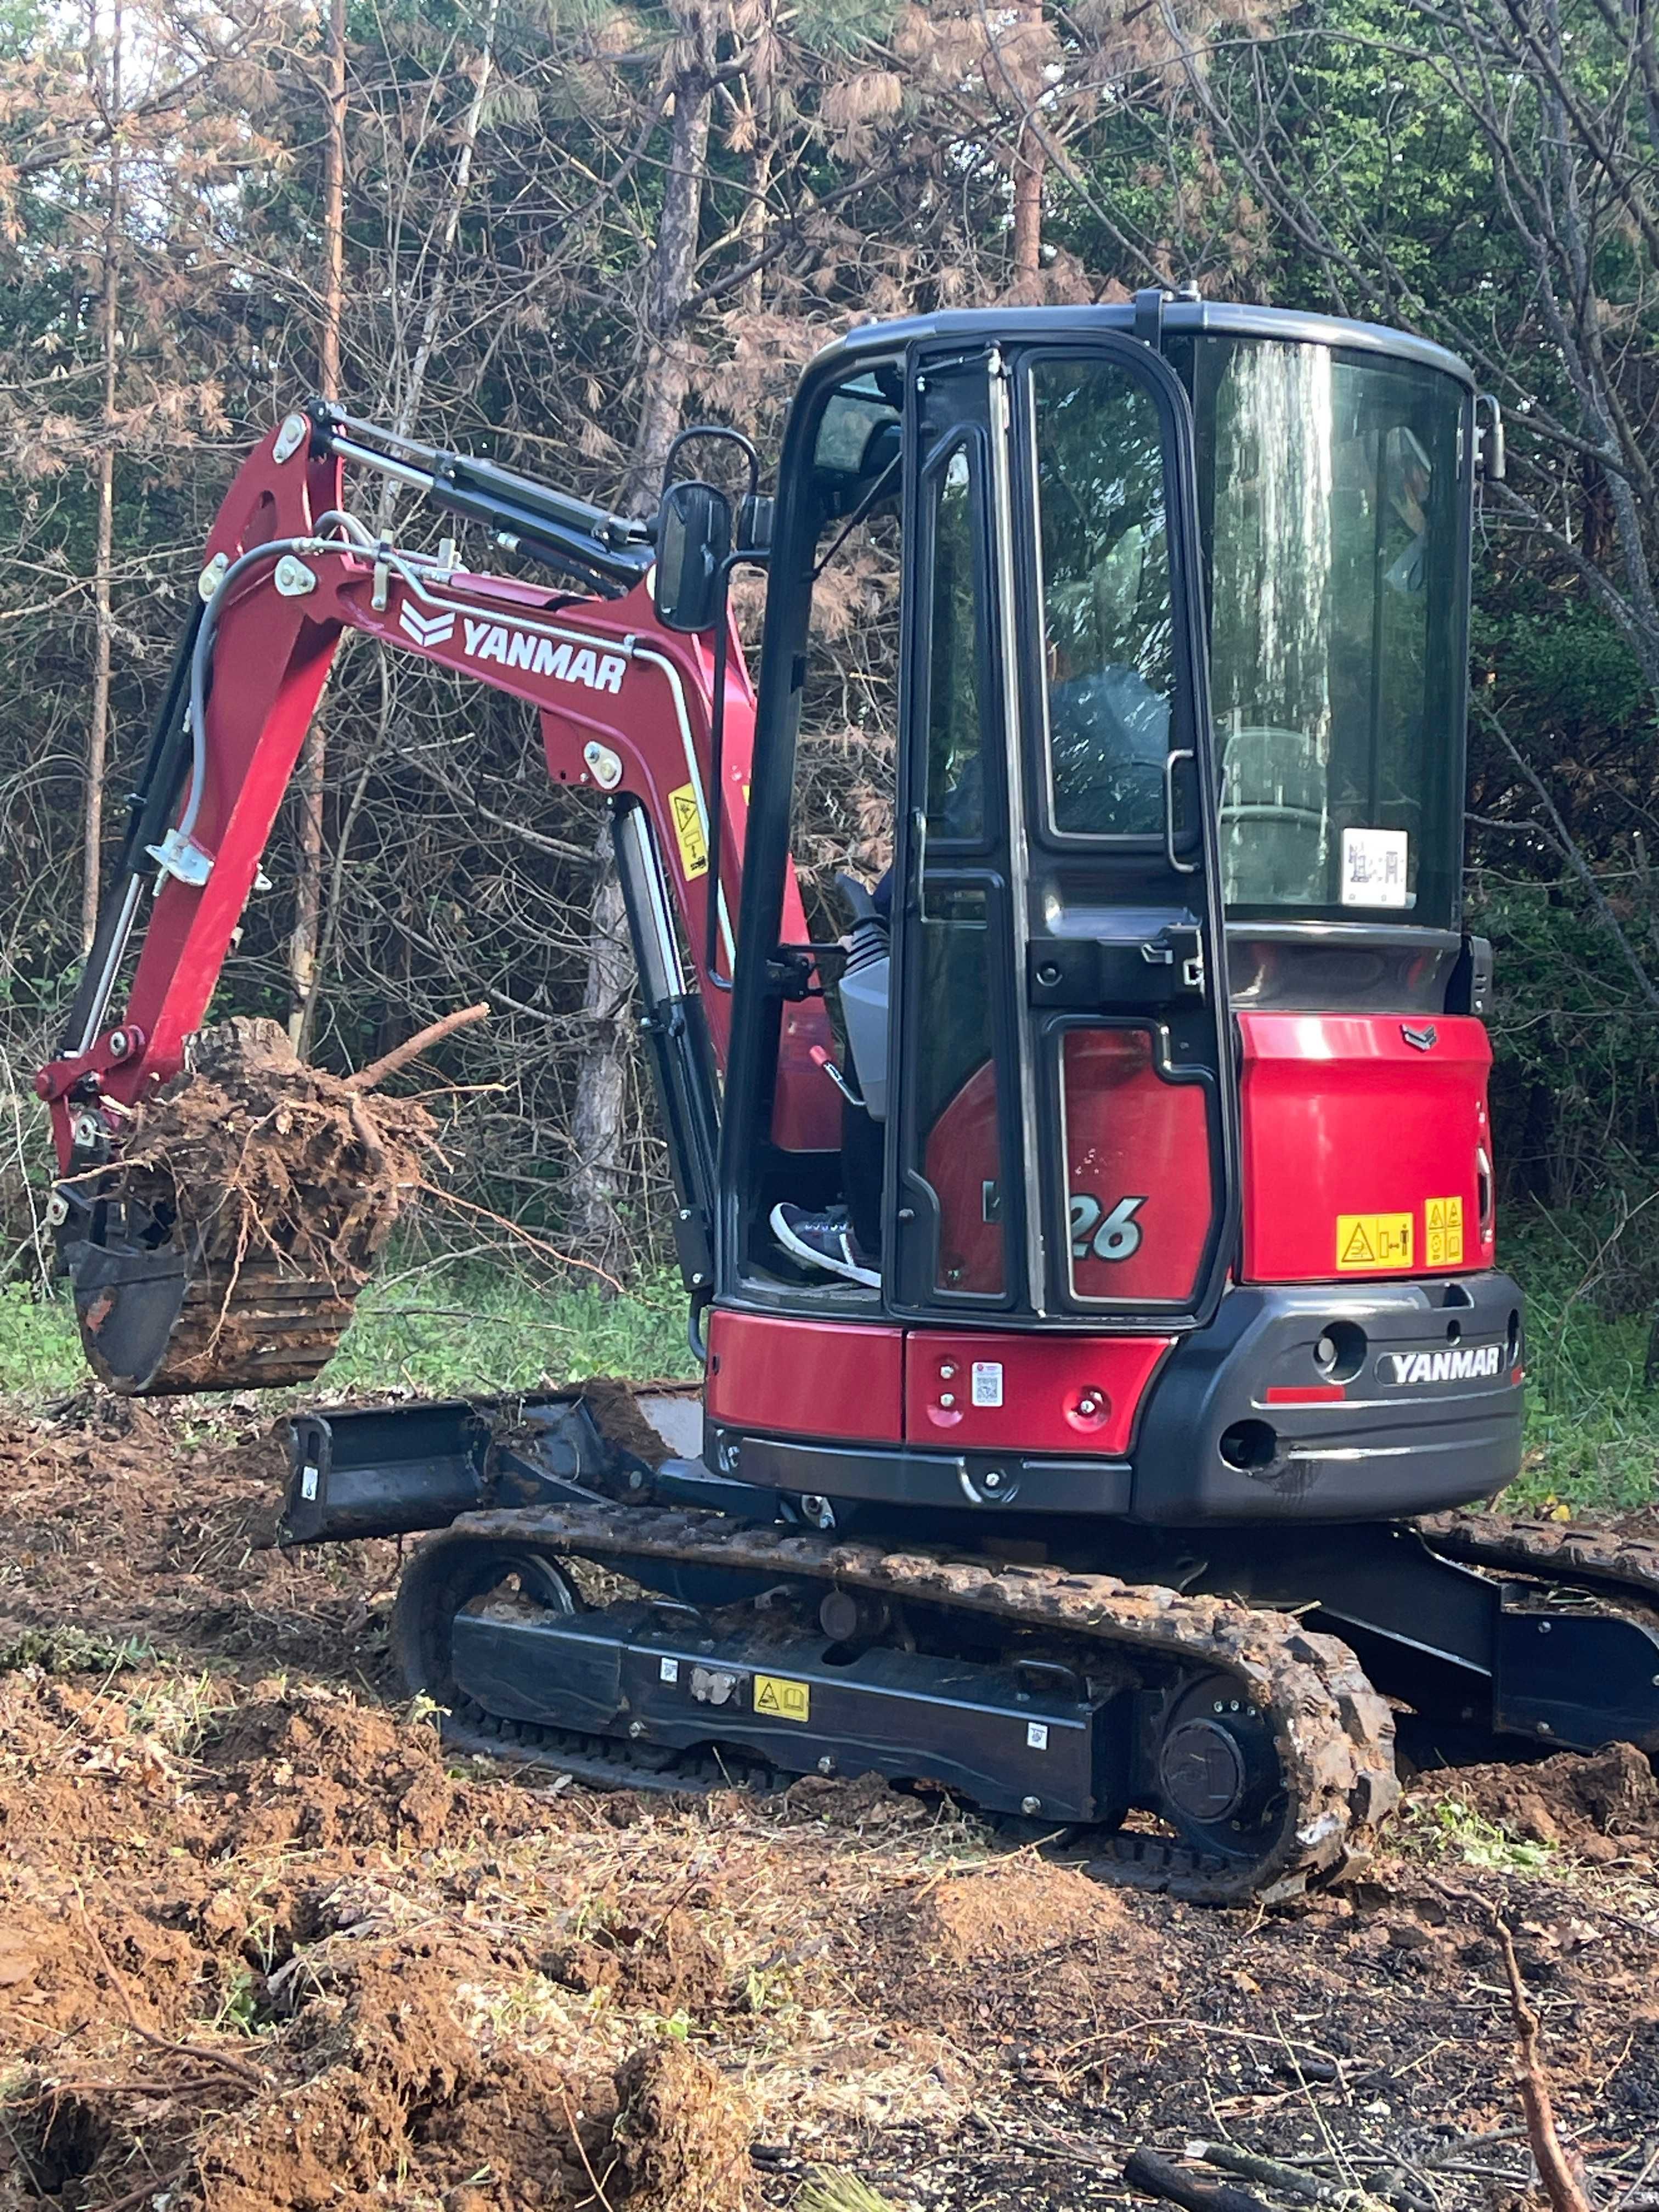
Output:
x=694 y=536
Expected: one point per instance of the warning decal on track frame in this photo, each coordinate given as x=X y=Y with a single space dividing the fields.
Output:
x=688 y=829
x=1366 y=1242
x=781 y=1699
x=1442 y=1232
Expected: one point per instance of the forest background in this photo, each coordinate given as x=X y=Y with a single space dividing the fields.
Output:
x=551 y=231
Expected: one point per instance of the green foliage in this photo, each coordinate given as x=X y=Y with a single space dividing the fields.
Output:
x=1562 y=656
x=1592 y=1421
x=40 y=1354
x=830 y=2189
x=850 y=26
x=1449 y=1828
x=66 y=1650
x=1576 y=1087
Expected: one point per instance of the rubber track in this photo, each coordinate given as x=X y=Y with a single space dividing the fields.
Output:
x=1333 y=1732
x=1549 y=1551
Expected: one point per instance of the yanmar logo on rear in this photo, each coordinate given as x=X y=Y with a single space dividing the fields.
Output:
x=1469 y=1362
x=539 y=656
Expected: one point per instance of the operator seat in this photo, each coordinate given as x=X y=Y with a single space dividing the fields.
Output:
x=1276 y=823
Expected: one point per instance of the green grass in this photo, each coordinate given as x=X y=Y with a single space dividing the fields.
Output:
x=1592 y=1422
x=440 y=1331
x=476 y=1328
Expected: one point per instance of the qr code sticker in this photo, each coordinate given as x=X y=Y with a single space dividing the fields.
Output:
x=987 y=1382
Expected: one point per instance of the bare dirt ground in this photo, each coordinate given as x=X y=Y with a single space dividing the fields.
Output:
x=262 y=1944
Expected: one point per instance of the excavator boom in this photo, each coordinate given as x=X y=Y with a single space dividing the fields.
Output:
x=627 y=710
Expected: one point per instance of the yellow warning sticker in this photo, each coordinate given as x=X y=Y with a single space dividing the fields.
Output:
x=687 y=827
x=1442 y=1232
x=1364 y=1240
x=783 y=1700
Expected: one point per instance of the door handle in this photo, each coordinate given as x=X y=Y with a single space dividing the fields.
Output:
x=1181 y=867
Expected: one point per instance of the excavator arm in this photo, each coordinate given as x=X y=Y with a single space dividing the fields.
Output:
x=627 y=708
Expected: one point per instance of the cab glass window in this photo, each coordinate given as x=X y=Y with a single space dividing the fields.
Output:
x=1107 y=616
x=955 y=784
x=1333 y=512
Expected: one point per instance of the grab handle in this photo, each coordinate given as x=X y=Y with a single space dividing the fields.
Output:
x=1181 y=867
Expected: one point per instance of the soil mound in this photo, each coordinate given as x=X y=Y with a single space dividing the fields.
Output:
x=1596 y=1805
x=1014 y=1914
x=395 y=2082
x=325 y=1771
x=681 y=2136
x=672 y=1967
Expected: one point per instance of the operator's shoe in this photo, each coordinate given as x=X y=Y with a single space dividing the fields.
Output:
x=822 y=1240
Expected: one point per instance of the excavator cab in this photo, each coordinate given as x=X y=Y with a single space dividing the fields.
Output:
x=1175 y=923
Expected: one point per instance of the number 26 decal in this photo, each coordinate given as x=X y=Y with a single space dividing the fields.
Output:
x=1114 y=1235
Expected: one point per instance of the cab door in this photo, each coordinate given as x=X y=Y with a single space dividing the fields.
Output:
x=1065 y=1145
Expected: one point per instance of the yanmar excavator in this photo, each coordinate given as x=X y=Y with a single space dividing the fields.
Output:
x=1123 y=1494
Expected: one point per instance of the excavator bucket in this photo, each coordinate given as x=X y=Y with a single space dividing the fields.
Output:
x=226 y=1246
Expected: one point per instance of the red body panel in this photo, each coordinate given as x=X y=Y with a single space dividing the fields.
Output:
x=1132 y=1134
x=961 y=1162
x=1053 y=1394
x=869 y=1382
x=1344 y=1119
x=807 y=1378
x=1133 y=1141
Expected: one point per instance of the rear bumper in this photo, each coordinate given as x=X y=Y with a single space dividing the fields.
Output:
x=1240 y=1423
x=1423 y=1410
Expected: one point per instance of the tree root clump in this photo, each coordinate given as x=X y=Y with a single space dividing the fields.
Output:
x=279 y=1185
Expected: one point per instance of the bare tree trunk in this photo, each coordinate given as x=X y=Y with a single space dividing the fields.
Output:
x=595 y=1229
x=667 y=375
x=1030 y=161
x=752 y=223
x=313 y=758
x=98 y=727
x=437 y=297
x=309 y=900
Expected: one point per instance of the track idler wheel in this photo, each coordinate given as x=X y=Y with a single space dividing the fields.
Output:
x=1218 y=1772
x=441 y=1580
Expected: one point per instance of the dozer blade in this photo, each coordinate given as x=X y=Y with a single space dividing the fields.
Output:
x=225 y=1246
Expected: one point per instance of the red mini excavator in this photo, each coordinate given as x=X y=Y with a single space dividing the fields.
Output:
x=1116 y=1488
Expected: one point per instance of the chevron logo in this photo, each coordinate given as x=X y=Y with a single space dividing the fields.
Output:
x=426 y=630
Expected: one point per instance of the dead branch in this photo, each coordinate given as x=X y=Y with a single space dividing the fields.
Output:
x=1152 y=2176
x=1271 y=2173
x=513 y=1229
x=202 y=2056
x=370 y=1078
x=1561 y=2184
